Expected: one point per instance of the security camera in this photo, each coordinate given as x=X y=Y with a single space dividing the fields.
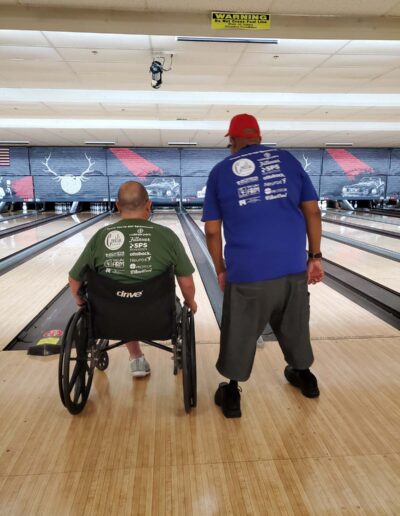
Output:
x=156 y=69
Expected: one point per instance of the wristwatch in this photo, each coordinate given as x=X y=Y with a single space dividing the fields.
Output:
x=315 y=256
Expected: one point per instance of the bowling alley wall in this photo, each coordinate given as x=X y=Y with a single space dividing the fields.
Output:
x=69 y=174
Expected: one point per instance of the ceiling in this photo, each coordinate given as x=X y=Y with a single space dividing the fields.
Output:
x=64 y=88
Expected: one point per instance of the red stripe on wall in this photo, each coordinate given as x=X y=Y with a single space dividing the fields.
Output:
x=135 y=163
x=23 y=187
x=350 y=165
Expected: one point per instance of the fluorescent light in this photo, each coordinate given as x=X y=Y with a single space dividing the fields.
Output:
x=199 y=98
x=338 y=144
x=14 y=142
x=269 y=144
x=206 y=39
x=182 y=143
x=192 y=125
x=100 y=143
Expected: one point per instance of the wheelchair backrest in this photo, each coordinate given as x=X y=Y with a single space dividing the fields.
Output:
x=132 y=311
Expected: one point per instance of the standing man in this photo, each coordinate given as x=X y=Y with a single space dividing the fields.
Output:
x=131 y=250
x=267 y=206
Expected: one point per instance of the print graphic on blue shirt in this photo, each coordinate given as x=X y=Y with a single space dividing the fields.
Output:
x=257 y=193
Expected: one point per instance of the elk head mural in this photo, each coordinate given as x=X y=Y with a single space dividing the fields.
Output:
x=69 y=183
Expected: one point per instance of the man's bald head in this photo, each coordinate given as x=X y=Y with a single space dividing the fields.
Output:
x=132 y=196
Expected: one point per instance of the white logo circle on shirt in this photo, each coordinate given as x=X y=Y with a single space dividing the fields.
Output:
x=114 y=240
x=243 y=167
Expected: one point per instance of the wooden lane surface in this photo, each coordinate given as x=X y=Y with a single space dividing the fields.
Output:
x=207 y=330
x=19 y=241
x=134 y=451
x=379 y=269
x=371 y=221
x=383 y=242
x=334 y=316
x=14 y=223
x=30 y=286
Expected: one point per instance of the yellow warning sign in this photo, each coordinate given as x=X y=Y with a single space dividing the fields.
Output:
x=229 y=20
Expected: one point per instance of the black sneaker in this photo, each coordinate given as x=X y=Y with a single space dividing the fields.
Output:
x=304 y=380
x=228 y=398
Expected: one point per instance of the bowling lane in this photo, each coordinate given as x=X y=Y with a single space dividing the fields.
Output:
x=33 y=217
x=33 y=284
x=335 y=316
x=365 y=237
x=207 y=330
x=360 y=215
x=19 y=241
x=362 y=220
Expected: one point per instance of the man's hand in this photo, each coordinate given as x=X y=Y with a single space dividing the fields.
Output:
x=221 y=276
x=315 y=271
x=192 y=305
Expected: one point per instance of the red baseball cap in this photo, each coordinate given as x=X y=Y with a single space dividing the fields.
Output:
x=244 y=126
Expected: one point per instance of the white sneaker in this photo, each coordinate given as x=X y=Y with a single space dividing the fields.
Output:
x=139 y=367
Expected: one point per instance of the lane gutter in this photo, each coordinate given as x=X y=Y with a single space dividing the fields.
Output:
x=10 y=262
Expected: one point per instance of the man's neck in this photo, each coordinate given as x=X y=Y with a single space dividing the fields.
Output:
x=134 y=215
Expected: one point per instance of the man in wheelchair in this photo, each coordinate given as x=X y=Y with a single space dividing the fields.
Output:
x=132 y=250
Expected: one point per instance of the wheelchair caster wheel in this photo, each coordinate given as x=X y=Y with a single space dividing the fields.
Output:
x=103 y=361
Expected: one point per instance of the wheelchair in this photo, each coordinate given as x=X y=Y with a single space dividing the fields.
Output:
x=147 y=311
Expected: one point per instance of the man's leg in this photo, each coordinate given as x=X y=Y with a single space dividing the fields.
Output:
x=291 y=326
x=245 y=313
x=139 y=366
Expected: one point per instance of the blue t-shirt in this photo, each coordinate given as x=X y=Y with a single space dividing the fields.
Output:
x=257 y=193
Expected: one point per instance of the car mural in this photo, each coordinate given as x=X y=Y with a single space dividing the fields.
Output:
x=368 y=186
x=163 y=188
x=201 y=193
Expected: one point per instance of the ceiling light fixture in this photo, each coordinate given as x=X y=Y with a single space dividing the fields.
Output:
x=206 y=39
x=334 y=144
x=182 y=143
x=269 y=144
x=99 y=143
x=14 y=142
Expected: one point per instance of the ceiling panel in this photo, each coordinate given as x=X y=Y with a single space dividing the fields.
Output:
x=370 y=60
x=98 y=41
x=26 y=52
x=31 y=38
x=106 y=55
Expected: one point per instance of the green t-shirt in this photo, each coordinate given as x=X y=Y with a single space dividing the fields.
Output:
x=133 y=250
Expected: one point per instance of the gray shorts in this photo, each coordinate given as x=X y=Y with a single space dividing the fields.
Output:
x=248 y=307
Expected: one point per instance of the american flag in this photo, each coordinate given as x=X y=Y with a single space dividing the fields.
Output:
x=4 y=157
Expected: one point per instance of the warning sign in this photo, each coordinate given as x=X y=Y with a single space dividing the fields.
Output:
x=229 y=20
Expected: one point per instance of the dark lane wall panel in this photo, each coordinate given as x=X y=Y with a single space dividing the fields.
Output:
x=361 y=187
x=356 y=162
x=61 y=161
x=395 y=163
x=193 y=189
x=200 y=162
x=310 y=160
x=142 y=162
x=14 y=161
x=16 y=188
x=71 y=189
x=393 y=187
x=162 y=190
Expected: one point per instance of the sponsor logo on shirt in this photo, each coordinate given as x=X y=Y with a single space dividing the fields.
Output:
x=117 y=253
x=247 y=191
x=140 y=253
x=117 y=263
x=243 y=167
x=277 y=182
x=137 y=245
x=114 y=240
x=247 y=180
x=250 y=200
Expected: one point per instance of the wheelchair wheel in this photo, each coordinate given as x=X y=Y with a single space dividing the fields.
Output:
x=188 y=361
x=76 y=364
x=102 y=359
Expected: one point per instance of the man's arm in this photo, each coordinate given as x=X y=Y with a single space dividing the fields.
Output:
x=187 y=287
x=74 y=286
x=213 y=230
x=312 y=215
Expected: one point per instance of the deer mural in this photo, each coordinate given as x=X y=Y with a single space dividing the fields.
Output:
x=69 y=183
